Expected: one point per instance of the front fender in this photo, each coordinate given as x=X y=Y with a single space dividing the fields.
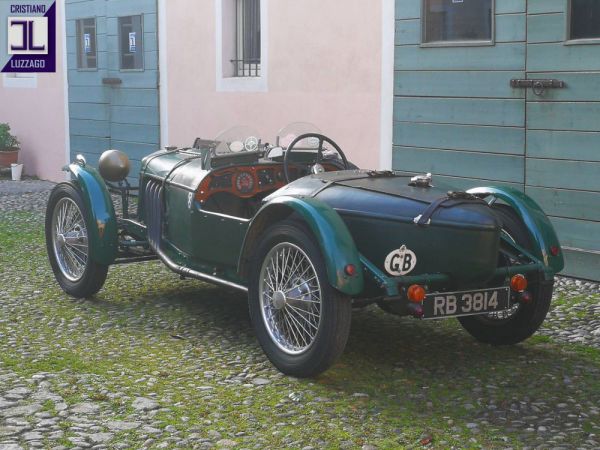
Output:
x=102 y=221
x=539 y=226
x=334 y=239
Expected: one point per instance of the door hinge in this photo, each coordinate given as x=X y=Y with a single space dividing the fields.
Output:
x=112 y=81
x=538 y=86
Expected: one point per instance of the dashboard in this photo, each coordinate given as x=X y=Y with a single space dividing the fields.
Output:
x=249 y=181
x=245 y=182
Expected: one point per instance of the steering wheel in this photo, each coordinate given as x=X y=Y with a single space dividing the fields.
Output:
x=316 y=168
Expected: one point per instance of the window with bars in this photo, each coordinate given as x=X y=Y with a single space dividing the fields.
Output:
x=247 y=54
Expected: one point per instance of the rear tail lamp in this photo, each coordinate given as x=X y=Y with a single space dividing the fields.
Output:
x=555 y=250
x=416 y=293
x=350 y=270
x=518 y=283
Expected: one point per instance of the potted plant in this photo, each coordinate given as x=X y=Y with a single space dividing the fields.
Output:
x=9 y=146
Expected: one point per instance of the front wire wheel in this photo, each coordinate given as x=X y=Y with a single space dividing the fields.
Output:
x=69 y=239
x=301 y=322
x=68 y=246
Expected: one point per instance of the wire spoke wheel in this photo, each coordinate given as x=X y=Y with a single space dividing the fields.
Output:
x=71 y=252
x=301 y=321
x=70 y=239
x=290 y=298
x=521 y=320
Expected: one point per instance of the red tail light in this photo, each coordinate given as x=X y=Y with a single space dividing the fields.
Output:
x=350 y=270
x=518 y=283
x=416 y=293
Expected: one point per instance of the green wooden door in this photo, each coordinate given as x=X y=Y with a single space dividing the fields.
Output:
x=113 y=78
x=457 y=116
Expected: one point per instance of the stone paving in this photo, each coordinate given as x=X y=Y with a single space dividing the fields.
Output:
x=149 y=364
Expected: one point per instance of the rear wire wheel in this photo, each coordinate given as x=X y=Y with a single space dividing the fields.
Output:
x=301 y=322
x=522 y=320
x=68 y=246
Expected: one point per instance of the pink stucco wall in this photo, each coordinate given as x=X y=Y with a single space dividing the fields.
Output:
x=324 y=67
x=37 y=118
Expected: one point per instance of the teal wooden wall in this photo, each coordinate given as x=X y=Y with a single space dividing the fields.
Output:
x=102 y=117
x=455 y=115
x=563 y=135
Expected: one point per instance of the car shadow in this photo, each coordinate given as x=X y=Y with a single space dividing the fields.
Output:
x=378 y=343
x=392 y=364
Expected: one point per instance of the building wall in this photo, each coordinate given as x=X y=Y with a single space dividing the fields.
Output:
x=37 y=116
x=457 y=115
x=324 y=67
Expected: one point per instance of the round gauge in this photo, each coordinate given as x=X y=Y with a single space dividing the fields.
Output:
x=251 y=144
x=244 y=182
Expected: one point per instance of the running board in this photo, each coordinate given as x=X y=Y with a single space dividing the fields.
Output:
x=191 y=273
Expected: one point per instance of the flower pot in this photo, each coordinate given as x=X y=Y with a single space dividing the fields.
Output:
x=17 y=171
x=8 y=157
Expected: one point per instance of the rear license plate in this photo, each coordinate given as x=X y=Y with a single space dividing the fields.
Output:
x=467 y=303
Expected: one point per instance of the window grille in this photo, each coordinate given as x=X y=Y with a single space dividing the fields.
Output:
x=247 y=62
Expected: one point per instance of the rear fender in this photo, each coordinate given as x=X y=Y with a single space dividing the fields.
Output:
x=540 y=228
x=102 y=221
x=334 y=239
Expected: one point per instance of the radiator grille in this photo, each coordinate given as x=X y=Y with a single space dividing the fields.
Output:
x=153 y=207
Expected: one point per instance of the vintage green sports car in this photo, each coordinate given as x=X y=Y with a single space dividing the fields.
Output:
x=309 y=236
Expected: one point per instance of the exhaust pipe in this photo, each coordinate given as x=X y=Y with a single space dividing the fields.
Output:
x=153 y=205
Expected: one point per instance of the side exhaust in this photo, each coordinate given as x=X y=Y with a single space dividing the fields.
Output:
x=153 y=201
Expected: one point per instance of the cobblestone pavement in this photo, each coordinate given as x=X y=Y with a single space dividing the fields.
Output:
x=154 y=362
x=26 y=195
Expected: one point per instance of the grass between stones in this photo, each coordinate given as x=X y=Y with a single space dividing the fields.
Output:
x=400 y=384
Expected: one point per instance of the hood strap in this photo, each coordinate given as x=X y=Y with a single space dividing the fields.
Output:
x=452 y=199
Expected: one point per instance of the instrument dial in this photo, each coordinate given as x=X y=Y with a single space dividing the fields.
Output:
x=244 y=182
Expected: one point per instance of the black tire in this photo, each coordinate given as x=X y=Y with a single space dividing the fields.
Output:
x=93 y=275
x=525 y=319
x=335 y=310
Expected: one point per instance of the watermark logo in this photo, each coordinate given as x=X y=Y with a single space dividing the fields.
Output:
x=27 y=35
x=30 y=36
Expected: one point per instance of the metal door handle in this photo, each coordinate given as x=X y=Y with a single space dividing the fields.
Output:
x=112 y=81
x=539 y=86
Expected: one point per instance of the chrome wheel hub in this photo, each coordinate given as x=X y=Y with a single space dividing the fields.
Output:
x=279 y=300
x=290 y=298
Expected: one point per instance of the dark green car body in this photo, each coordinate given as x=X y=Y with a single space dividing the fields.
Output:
x=309 y=237
x=357 y=218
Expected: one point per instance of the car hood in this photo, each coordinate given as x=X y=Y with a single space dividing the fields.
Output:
x=380 y=182
x=384 y=194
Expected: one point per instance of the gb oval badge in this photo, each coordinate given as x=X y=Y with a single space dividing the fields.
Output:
x=401 y=262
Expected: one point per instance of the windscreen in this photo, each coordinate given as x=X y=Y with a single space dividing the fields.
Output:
x=238 y=139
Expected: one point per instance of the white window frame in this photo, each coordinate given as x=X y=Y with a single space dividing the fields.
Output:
x=20 y=80
x=242 y=84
